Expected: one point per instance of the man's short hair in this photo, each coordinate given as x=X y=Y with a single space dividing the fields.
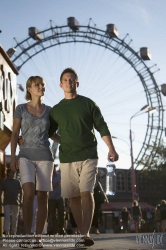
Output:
x=69 y=70
x=8 y=171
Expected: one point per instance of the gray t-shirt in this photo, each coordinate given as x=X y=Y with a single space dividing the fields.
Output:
x=11 y=188
x=35 y=133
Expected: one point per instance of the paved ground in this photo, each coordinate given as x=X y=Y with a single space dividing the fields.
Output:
x=102 y=241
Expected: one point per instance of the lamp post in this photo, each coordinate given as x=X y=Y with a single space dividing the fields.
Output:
x=148 y=109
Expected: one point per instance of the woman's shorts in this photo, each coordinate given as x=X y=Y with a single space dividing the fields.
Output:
x=41 y=171
x=136 y=217
x=77 y=177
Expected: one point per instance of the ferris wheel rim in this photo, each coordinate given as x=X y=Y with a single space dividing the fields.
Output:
x=60 y=35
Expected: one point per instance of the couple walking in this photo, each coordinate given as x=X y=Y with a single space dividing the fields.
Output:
x=75 y=117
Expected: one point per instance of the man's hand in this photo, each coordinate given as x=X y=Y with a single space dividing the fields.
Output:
x=56 y=184
x=20 y=141
x=113 y=154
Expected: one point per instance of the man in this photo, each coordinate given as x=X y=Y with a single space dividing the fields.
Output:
x=76 y=117
x=56 y=202
x=12 y=199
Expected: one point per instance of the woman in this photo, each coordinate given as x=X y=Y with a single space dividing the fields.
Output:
x=136 y=214
x=35 y=158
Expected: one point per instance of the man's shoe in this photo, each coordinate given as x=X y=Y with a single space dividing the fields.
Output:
x=24 y=244
x=88 y=241
x=5 y=233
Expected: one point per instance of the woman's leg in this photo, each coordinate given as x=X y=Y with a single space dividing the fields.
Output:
x=137 y=226
x=29 y=192
x=42 y=198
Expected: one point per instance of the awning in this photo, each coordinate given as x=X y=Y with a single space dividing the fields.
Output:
x=119 y=205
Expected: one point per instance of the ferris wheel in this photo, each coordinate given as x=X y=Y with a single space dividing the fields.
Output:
x=123 y=71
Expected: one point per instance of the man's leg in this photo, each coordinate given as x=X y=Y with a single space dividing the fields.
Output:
x=14 y=214
x=52 y=214
x=87 y=182
x=61 y=214
x=6 y=226
x=88 y=210
x=76 y=208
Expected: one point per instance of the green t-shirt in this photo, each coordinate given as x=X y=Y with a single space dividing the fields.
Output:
x=76 y=119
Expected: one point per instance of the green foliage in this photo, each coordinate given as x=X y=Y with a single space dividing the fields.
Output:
x=158 y=162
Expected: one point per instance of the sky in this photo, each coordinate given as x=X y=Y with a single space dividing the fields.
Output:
x=104 y=77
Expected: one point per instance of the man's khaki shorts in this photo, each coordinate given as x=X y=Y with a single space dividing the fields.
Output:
x=39 y=170
x=78 y=177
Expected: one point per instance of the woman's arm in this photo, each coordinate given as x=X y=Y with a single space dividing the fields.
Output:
x=56 y=138
x=14 y=140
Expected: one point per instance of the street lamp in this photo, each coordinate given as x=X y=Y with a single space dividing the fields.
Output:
x=148 y=109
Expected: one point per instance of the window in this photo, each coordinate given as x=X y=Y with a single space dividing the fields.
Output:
x=120 y=177
x=141 y=182
x=129 y=181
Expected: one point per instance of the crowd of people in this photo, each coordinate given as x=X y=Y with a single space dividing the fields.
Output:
x=75 y=117
x=60 y=218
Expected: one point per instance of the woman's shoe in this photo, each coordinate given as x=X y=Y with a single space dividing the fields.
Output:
x=97 y=231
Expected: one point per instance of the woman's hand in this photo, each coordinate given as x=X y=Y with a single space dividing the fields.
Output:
x=14 y=164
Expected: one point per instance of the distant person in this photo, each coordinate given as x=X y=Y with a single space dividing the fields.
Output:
x=12 y=200
x=163 y=215
x=158 y=218
x=76 y=117
x=125 y=217
x=116 y=222
x=99 y=198
x=56 y=204
x=136 y=215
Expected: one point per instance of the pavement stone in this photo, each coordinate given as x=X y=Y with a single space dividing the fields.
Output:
x=132 y=241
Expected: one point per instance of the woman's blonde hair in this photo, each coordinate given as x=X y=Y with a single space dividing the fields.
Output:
x=163 y=202
x=124 y=209
x=135 y=203
x=32 y=79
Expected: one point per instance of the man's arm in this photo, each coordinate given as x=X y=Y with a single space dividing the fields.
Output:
x=112 y=152
x=20 y=192
x=1 y=203
x=101 y=126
